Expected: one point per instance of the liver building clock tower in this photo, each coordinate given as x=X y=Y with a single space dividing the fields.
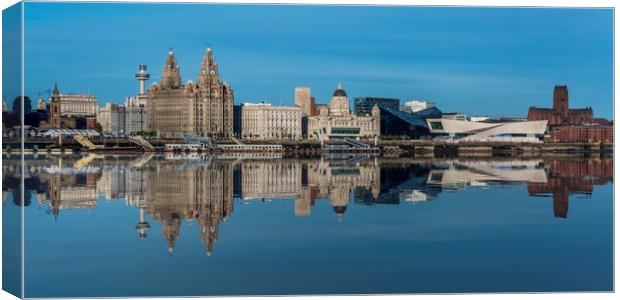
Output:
x=214 y=100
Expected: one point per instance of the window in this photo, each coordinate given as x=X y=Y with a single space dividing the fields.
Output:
x=344 y=130
x=436 y=126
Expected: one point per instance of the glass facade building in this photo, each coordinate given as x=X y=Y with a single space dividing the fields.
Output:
x=363 y=105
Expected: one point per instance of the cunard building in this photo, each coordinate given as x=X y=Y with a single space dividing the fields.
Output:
x=204 y=108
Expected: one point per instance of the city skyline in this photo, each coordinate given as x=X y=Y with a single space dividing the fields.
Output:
x=456 y=66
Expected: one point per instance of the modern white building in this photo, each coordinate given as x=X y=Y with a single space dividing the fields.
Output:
x=412 y=106
x=454 y=116
x=479 y=118
x=262 y=121
x=487 y=131
x=460 y=174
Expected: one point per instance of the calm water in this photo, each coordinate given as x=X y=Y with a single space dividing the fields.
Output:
x=177 y=225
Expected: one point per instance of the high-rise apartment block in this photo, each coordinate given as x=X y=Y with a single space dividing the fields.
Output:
x=111 y=117
x=304 y=99
x=129 y=118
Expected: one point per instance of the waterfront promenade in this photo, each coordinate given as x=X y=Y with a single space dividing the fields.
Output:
x=312 y=147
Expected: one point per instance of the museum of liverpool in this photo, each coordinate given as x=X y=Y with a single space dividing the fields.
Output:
x=487 y=130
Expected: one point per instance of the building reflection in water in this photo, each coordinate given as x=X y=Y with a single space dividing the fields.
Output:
x=202 y=188
x=571 y=176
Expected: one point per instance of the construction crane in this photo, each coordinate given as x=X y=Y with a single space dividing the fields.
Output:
x=48 y=91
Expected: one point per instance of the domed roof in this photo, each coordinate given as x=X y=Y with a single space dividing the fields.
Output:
x=340 y=92
x=340 y=209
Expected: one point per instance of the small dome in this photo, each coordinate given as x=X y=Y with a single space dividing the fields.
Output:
x=339 y=92
x=340 y=209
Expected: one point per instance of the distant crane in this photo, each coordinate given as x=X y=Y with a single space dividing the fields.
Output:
x=48 y=91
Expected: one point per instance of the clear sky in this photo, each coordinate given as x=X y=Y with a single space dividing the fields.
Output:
x=481 y=61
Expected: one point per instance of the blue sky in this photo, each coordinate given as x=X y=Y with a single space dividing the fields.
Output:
x=493 y=61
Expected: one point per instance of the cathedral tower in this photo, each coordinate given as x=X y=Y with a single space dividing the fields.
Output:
x=560 y=98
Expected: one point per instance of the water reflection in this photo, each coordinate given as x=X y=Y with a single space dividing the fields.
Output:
x=202 y=189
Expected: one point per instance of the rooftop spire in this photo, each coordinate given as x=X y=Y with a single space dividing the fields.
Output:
x=171 y=61
x=171 y=75
x=55 y=88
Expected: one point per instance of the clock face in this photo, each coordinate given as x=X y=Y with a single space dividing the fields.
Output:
x=204 y=72
x=212 y=72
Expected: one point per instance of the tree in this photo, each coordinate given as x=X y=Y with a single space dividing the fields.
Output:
x=98 y=127
x=17 y=102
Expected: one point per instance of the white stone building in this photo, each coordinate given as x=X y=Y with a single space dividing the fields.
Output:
x=263 y=121
x=83 y=105
x=337 y=121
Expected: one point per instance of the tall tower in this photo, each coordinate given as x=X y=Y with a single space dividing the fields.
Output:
x=54 y=113
x=143 y=225
x=142 y=75
x=304 y=99
x=215 y=99
x=171 y=74
x=560 y=99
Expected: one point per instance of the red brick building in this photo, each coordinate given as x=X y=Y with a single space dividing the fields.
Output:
x=571 y=125
x=581 y=134
x=560 y=114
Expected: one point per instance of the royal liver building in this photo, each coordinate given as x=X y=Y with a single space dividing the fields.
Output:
x=204 y=108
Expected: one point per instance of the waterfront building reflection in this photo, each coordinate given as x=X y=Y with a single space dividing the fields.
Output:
x=169 y=190
x=569 y=176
